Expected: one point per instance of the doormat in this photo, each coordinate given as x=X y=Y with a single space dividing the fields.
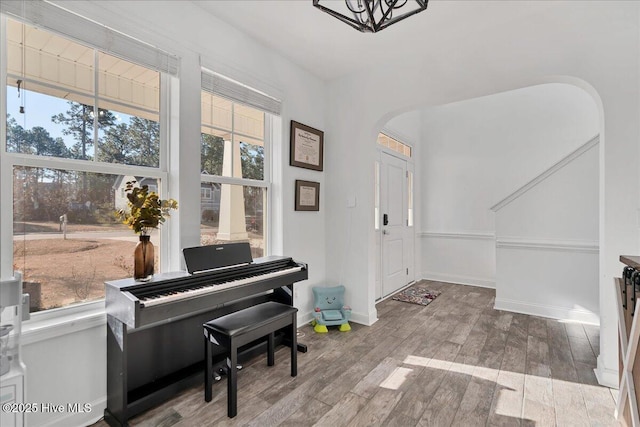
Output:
x=422 y=296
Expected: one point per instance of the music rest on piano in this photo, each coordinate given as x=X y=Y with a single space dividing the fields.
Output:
x=154 y=329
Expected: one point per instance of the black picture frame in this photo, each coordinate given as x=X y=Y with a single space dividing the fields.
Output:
x=306 y=147
x=307 y=195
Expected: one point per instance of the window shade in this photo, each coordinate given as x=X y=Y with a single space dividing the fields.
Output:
x=222 y=86
x=51 y=17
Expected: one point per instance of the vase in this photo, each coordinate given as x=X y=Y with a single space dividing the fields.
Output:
x=143 y=259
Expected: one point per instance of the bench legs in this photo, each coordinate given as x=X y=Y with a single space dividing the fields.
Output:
x=294 y=346
x=270 y=350
x=207 y=369
x=232 y=363
x=232 y=380
x=232 y=376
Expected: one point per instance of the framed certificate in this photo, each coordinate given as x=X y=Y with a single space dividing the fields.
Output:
x=307 y=195
x=307 y=146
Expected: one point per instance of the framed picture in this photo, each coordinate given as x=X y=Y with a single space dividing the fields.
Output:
x=307 y=195
x=307 y=146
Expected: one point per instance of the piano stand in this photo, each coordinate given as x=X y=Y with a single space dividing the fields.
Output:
x=154 y=352
x=154 y=329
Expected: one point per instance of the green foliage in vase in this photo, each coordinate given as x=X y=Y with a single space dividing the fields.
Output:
x=146 y=210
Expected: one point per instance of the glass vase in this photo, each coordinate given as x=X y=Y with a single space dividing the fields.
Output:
x=143 y=259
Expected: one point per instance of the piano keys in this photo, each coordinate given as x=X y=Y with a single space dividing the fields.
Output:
x=207 y=287
x=154 y=328
x=172 y=295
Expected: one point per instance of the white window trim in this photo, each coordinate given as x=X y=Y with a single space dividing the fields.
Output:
x=50 y=323
x=270 y=247
x=234 y=181
x=61 y=321
x=6 y=169
x=72 y=26
x=223 y=86
x=400 y=138
x=28 y=160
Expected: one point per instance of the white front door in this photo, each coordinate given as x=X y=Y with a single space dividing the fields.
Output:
x=395 y=246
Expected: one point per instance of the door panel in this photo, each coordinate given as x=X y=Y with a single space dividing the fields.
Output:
x=394 y=259
x=393 y=202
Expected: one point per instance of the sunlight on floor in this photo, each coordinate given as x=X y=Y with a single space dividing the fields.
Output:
x=416 y=360
x=397 y=377
x=542 y=392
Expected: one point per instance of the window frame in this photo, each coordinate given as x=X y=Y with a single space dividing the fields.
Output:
x=398 y=140
x=265 y=183
x=9 y=160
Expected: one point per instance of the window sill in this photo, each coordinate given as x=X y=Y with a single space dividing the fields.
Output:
x=63 y=321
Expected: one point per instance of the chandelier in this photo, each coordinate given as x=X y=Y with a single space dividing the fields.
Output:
x=371 y=16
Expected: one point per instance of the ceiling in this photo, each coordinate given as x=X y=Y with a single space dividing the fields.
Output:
x=329 y=48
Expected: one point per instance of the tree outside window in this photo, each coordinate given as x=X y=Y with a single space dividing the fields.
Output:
x=66 y=189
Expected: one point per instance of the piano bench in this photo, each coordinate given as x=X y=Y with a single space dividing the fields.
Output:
x=242 y=327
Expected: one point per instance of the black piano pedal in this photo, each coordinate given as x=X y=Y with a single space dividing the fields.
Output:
x=223 y=370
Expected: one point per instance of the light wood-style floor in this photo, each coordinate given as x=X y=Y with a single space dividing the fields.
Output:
x=456 y=362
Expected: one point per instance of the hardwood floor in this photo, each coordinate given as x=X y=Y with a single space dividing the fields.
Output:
x=455 y=362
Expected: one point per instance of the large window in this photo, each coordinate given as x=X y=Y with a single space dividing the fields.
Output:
x=80 y=123
x=233 y=173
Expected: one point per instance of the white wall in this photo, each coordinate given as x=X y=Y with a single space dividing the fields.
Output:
x=547 y=245
x=593 y=45
x=479 y=151
x=78 y=345
x=66 y=364
x=407 y=127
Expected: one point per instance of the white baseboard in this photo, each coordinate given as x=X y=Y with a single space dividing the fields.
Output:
x=306 y=318
x=356 y=317
x=363 y=319
x=543 y=310
x=606 y=377
x=459 y=280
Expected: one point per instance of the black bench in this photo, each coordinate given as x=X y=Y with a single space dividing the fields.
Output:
x=242 y=327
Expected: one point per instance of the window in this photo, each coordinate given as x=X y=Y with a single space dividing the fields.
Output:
x=66 y=244
x=80 y=123
x=205 y=193
x=57 y=78
x=410 y=198
x=234 y=166
x=376 y=201
x=394 y=145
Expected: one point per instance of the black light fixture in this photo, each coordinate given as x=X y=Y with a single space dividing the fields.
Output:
x=371 y=16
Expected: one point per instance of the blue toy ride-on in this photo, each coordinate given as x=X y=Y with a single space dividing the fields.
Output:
x=330 y=309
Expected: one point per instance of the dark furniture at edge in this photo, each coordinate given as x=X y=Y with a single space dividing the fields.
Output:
x=628 y=288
